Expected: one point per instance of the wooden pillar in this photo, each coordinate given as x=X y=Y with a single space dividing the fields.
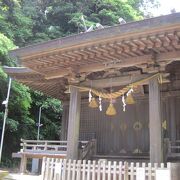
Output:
x=63 y=124
x=73 y=124
x=172 y=120
x=23 y=164
x=175 y=170
x=156 y=151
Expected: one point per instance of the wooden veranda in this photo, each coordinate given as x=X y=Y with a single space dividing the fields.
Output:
x=106 y=61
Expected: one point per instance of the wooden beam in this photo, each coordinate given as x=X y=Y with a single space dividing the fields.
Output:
x=116 y=81
x=57 y=74
x=18 y=70
x=73 y=124
x=103 y=66
x=169 y=56
x=125 y=62
x=156 y=151
x=129 y=30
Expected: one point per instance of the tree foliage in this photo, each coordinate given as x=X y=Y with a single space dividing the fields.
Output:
x=23 y=108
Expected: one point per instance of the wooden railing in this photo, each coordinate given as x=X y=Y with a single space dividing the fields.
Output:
x=88 y=150
x=62 y=169
x=46 y=146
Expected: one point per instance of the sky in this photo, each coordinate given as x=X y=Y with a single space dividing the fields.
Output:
x=166 y=6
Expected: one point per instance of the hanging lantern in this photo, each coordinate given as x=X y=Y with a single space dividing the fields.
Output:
x=130 y=99
x=93 y=103
x=111 y=111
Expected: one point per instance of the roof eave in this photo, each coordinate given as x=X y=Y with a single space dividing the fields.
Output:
x=97 y=35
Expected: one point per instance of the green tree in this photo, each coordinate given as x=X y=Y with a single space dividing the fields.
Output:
x=58 y=18
x=23 y=109
x=13 y=22
x=19 y=102
x=50 y=116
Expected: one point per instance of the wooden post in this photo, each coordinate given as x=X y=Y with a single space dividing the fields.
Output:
x=172 y=119
x=73 y=124
x=126 y=167
x=63 y=124
x=156 y=152
x=23 y=164
x=175 y=170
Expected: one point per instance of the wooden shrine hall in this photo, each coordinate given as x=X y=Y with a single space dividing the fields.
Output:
x=94 y=74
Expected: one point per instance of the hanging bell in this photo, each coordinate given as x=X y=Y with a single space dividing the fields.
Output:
x=111 y=111
x=130 y=99
x=93 y=103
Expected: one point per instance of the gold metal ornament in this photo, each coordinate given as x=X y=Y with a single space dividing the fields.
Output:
x=93 y=103
x=137 y=151
x=111 y=111
x=137 y=126
x=164 y=125
x=130 y=99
